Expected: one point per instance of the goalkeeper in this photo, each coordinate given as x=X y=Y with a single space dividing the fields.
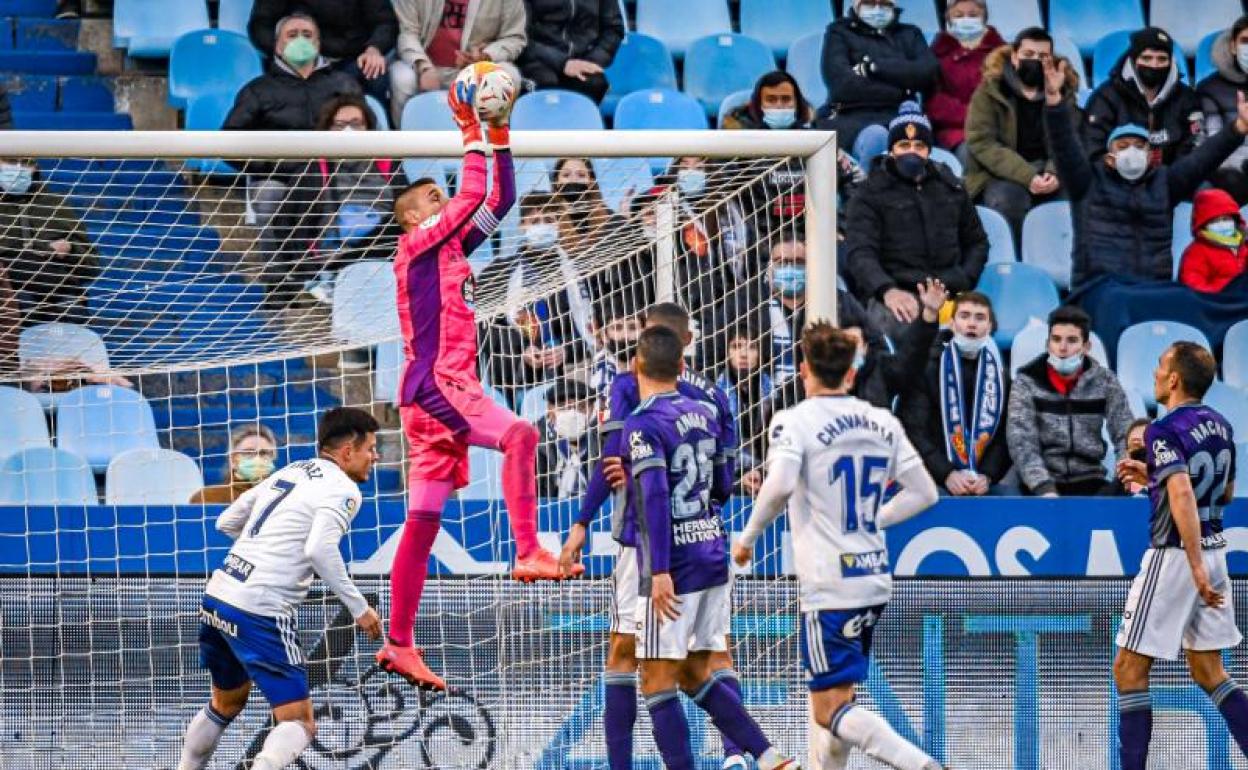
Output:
x=442 y=403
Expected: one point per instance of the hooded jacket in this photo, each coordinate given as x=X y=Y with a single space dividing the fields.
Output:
x=992 y=124
x=961 y=70
x=347 y=26
x=559 y=30
x=1174 y=120
x=283 y=100
x=1055 y=438
x=901 y=64
x=1217 y=94
x=1208 y=266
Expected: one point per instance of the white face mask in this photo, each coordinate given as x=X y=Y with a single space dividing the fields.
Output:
x=692 y=181
x=541 y=236
x=1066 y=366
x=780 y=117
x=1241 y=57
x=969 y=347
x=571 y=424
x=15 y=178
x=1131 y=163
x=966 y=28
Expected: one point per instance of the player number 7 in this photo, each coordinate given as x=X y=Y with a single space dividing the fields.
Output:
x=284 y=489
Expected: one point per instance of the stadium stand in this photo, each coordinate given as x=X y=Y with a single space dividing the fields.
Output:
x=642 y=62
x=731 y=102
x=1032 y=340
x=803 y=62
x=1048 y=241
x=659 y=108
x=1019 y=292
x=719 y=65
x=555 y=110
x=1187 y=28
x=23 y=425
x=1000 y=237
x=1141 y=345
x=233 y=15
x=777 y=23
x=148 y=28
x=1109 y=50
x=207 y=61
x=679 y=24
x=1086 y=23
x=99 y=422
x=46 y=476
x=1235 y=355
x=1204 y=55
x=151 y=477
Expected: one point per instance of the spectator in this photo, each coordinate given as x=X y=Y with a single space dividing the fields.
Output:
x=872 y=63
x=1136 y=451
x=356 y=36
x=910 y=221
x=438 y=38
x=576 y=182
x=568 y=447
x=253 y=455
x=1217 y=94
x=1218 y=255
x=6 y=111
x=1147 y=89
x=1009 y=165
x=44 y=247
x=571 y=43
x=961 y=50
x=1060 y=404
x=955 y=414
x=617 y=325
x=776 y=103
x=1121 y=207
x=748 y=384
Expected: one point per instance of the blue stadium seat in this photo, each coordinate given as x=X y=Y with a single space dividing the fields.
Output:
x=234 y=15
x=1012 y=16
x=1232 y=403
x=941 y=155
x=48 y=62
x=1204 y=55
x=151 y=477
x=430 y=112
x=72 y=121
x=1235 y=356
x=6 y=34
x=365 y=297
x=1019 y=293
x=680 y=23
x=1064 y=45
x=1110 y=49
x=1181 y=234
x=1033 y=340
x=388 y=369
x=777 y=23
x=731 y=102
x=148 y=28
x=207 y=112
x=87 y=94
x=379 y=112
x=1086 y=22
x=100 y=422
x=1049 y=239
x=44 y=344
x=622 y=178
x=419 y=168
x=1188 y=23
x=485 y=471
x=718 y=65
x=210 y=60
x=555 y=110
x=33 y=34
x=43 y=8
x=659 y=108
x=1140 y=346
x=641 y=62
x=922 y=14
x=805 y=63
x=1000 y=236
x=23 y=425
x=31 y=93
x=46 y=476
x=1241 y=471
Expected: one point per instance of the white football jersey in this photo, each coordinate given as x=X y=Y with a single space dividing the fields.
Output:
x=849 y=451
x=267 y=571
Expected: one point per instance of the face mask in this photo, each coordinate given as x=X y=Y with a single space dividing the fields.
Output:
x=1066 y=366
x=571 y=424
x=1241 y=57
x=541 y=237
x=877 y=16
x=692 y=182
x=910 y=165
x=621 y=348
x=780 y=117
x=15 y=179
x=573 y=191
x=1139 y=454
x=253 y=468
x=969 y=347
x=967 y=28
x=1152 y=77
x=789 y=280
x=1031 y=73
x=1131 y=163
x=1224 y=232
x=300 y=52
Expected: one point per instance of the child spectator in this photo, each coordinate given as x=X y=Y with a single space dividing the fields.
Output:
x=747 y=382
x=1219 y=254
x=961 y=49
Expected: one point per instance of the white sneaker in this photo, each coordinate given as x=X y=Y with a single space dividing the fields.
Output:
x=735 y=762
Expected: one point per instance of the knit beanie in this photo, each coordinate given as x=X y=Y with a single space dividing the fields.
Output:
x=1150 y=39
x=910 y=123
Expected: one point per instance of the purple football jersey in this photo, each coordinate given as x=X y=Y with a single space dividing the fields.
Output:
x=1196 y=440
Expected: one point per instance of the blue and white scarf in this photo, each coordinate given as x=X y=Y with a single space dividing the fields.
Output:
x=985 y=413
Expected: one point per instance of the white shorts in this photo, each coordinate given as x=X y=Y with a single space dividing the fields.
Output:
x=624 y=581
x=703 y=625
x=1164 y=613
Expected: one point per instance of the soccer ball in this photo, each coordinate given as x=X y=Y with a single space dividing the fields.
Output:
x=495 y=88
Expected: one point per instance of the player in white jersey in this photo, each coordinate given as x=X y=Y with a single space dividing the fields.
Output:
x=285 y=530
x=831 y=458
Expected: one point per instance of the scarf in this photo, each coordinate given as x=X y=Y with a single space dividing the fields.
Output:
x=985 y=413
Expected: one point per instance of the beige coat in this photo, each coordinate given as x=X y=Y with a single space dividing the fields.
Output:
x=497 y=26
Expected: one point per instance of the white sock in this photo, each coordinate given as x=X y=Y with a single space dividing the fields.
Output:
x=826 y=751
x=283 y=746
x=202 y=735
x=859 y=727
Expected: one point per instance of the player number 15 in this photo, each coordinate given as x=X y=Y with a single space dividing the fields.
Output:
x=862 y=480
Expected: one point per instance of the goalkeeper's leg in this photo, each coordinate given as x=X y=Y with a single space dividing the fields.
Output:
x=206 y=728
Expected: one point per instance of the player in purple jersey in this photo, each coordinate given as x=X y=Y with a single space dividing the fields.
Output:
x=679 y=477
x=1181 y=597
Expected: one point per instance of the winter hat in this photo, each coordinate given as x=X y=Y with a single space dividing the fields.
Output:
x=1150 y=39
x=1130 y=129
x=910 y=123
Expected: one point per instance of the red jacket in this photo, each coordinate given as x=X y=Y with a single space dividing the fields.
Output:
x=1209 y=266
x=961 y=69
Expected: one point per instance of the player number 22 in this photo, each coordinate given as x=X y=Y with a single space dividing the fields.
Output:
x=862 y=480
x=284 y=489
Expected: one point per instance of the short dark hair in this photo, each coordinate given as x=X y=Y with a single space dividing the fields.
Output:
x=973 y=297
x=828 y=352
x=776 y=78
x=671 y=315
x=1138 y=422
x=325 y=119
x=342 y=424
x=413 y=187
x=1072 y=316
x=568 y=391
x=1240 y=25
x=1035 y=35
x=559 y=164
x=1195 y=366
x=537 y=202
x=615 y=306
x=659 y=353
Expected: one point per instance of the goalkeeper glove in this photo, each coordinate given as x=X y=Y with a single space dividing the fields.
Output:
x=499 y=136
x=462 y=99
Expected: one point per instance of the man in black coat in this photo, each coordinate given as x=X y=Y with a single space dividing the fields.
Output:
x=571 y=43
x=356 y=35
x=910 y=221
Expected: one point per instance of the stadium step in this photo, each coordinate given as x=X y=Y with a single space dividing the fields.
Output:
x=6 y=34
x=48 y=62
x=44 y=8
x=86 y=94
x=49 y=93
x=30 y=93
x=71 y=121
x=46 y=35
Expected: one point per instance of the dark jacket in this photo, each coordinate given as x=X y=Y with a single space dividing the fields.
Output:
x=282 y=100
x=6 y=112
x=1217 y=94
x=551 y=452
x=559 y=30
x=900 y=233
x=49 y=287
x=1175 y=122
x=920 y=414
x=1055 y=438
x=347 y=26
x=902 y=64
x=1121 y=227
x=961 y=70
x=992 y=125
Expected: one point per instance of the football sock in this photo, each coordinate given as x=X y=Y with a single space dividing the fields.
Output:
x=1233 y=703
x=1135 y=728
x=827 y=752
x=283 y=745
x=870 y=733
x=671 y=731
x=202 y=735
x=519 y=447
x=729 y=678
x=729 y=716
x=407 y=575
x=619 y=714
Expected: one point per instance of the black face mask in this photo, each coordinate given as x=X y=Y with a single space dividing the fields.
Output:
x=1152 y=77
x=1031 y=73
x=910 y=165
x=572 y=192
x=1138 y=454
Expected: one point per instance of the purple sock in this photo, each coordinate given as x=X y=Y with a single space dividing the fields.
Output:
x=729 y=679
x=1233 y=704
x=1135 y=728
x=727 y=712
x=619 y=714
x=671 y=731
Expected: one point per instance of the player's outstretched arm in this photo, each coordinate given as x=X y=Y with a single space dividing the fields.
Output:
x=503 y=193
x=232 y=520
x=783 y=473
x=321 y=549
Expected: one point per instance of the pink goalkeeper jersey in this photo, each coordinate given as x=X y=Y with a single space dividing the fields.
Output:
x=436 y=283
